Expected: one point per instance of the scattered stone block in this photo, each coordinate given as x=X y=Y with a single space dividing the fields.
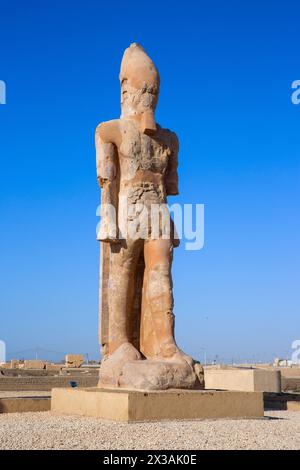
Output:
x=282 y=363
x=289 y=384
x=74 y=360
x=247 y=380
x=293 y=406
x=5 y=365
x=14 y=364
x=54 y=367
x=34 y=364
x=290 y=372
x=24 y=404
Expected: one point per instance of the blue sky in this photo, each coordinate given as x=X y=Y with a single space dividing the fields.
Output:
x=226 y=71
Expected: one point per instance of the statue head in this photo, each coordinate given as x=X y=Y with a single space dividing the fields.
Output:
x=139 y=86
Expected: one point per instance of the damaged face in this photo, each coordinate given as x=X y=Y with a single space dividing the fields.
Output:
x=138 y=101
x=139 y=87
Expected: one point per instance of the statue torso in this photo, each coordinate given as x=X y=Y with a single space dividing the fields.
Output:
x=143 y=163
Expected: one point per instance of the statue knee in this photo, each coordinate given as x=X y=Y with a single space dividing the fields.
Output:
x=159 y=272
x=122 y=264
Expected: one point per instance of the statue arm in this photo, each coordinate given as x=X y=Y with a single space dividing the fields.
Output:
x=107 y=140
x=172 y=174
x=106 y=162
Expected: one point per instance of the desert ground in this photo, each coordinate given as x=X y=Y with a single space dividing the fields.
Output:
x=278 y=430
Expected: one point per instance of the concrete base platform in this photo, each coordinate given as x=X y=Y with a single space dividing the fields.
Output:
x=246 y=380
x=24 y=404
x=138 y=406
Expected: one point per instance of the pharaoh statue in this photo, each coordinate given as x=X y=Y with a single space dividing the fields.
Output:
x=137 y=170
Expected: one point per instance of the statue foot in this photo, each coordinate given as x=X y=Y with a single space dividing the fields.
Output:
x=125 y=352
x=111 y=367
x=170 y=352
x=157 y=375
x=126 y=368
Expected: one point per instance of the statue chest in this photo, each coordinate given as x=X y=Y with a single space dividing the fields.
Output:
x=144 y=153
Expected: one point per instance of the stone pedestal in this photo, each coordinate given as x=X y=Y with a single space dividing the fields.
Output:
x=246 y=380
x=137 y=406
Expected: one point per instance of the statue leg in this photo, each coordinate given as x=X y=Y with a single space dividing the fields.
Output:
x=123 y=261
x=158 y=260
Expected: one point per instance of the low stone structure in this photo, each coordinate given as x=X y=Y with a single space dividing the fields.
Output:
x=24 y=404
x=293 y=406
x=74 y=360
x=250 y=380
x=290 y=378
x=282 y=363
x=45 y=383
x=5 y=365
x=289 y=384
x=34 y=364
x=15 y=363
x=54 y=367
x=290 y=372
x=138 y=406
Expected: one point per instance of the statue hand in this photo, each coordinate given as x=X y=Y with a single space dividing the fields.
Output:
x=106 y=233
x=113 y=241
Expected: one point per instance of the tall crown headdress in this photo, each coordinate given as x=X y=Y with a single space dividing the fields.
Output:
x=139 y=70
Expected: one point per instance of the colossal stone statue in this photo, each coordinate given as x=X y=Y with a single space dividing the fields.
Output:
x=137 y=170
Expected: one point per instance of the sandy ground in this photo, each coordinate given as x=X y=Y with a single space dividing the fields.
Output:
x=278 y=430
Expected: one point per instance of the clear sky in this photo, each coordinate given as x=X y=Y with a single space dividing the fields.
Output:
x=226 y=73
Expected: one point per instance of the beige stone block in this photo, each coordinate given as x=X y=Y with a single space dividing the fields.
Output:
x=34 y=364
x=24 y=404
x=290 y=372
x=74 y=360
x=293 y=405
x=14 y=364
x=5 y=365
x=248 y=380
x=137 y=406
x=54 y=367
